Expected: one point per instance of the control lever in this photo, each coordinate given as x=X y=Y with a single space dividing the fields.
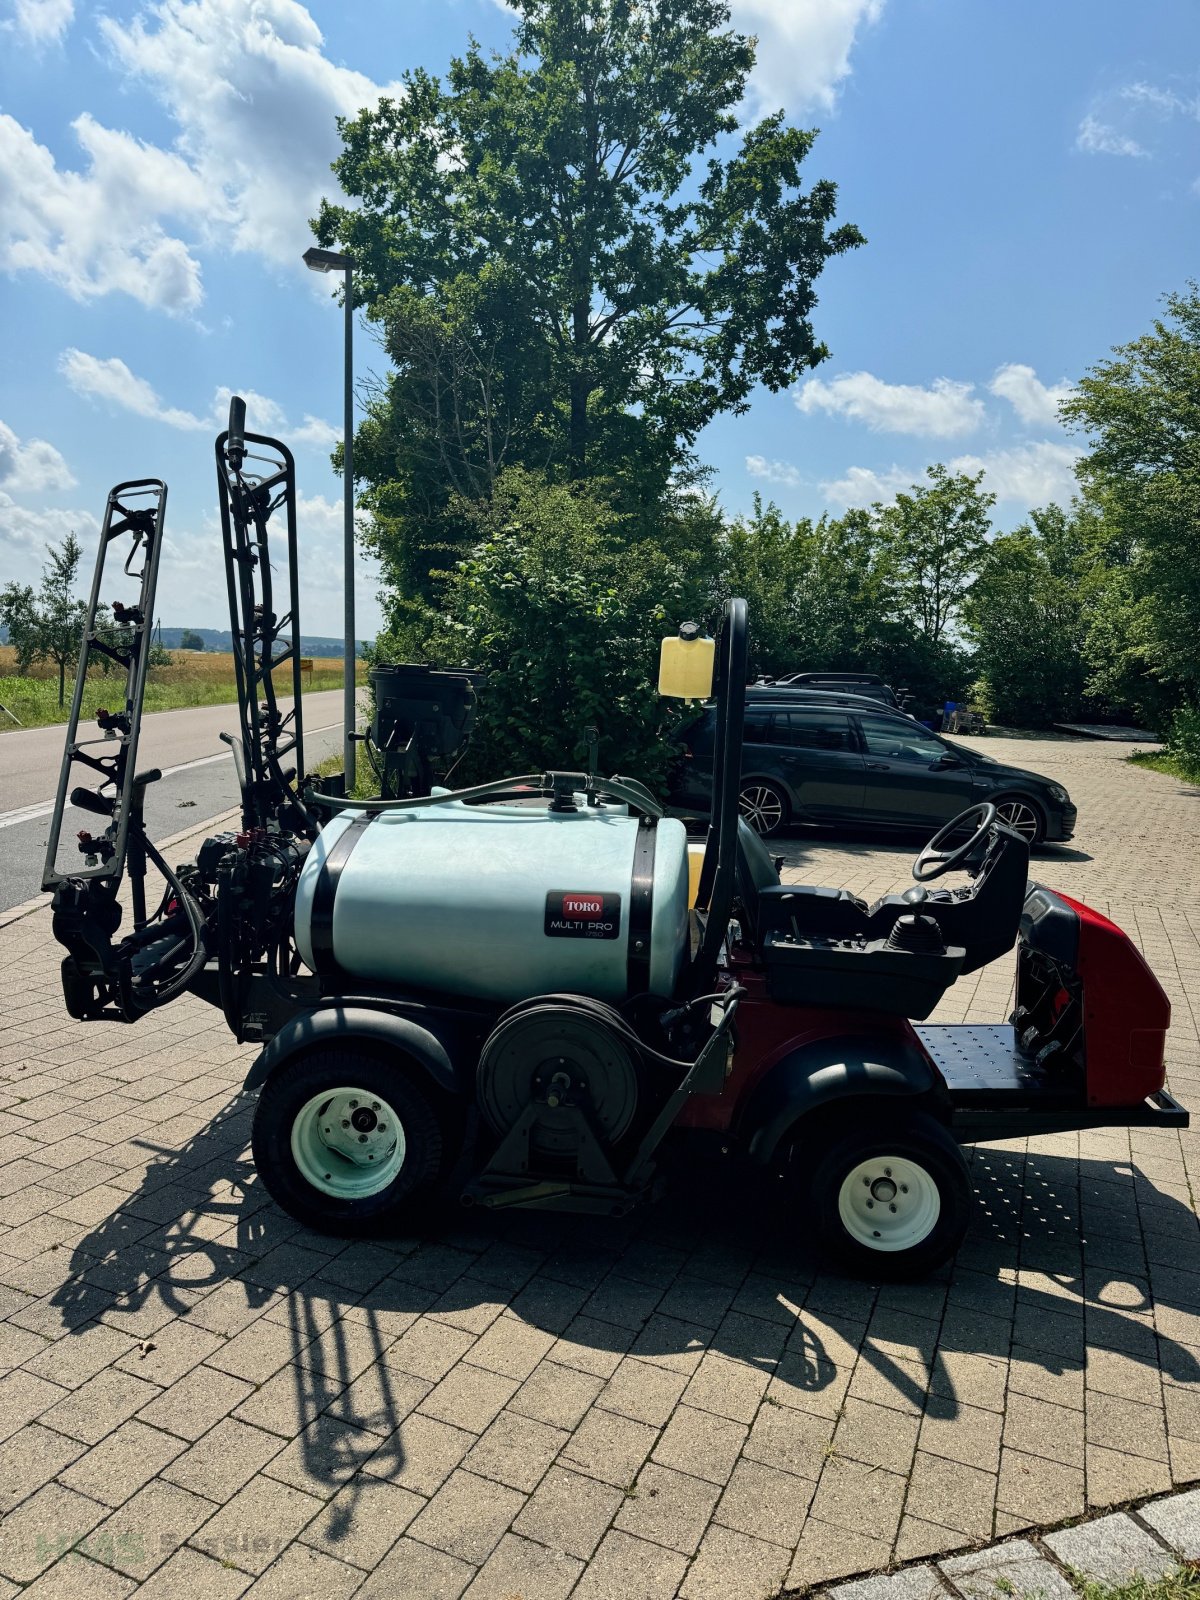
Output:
x=235 y=447
x=87 y=800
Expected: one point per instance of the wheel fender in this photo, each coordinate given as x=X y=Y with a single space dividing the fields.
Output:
x=338 y=1023
x=827 y=1070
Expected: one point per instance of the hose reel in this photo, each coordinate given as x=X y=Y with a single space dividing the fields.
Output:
x=559 y=1071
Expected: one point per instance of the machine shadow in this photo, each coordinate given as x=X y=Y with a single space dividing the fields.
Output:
x=1056 y=1260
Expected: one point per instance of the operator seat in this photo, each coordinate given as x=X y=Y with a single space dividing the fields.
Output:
x=983 y=918
x=757 y=875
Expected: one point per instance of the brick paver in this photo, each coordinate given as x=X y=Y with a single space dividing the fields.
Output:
x=203 y=1397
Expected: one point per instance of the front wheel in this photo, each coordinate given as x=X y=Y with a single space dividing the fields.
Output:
x=345 y=1141
x=763 y=805
x=892 y=1201
x=1023 y=817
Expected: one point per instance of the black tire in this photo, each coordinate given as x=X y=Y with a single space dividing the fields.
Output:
x=764 y=805
x=292 y=1087
x=909 y=1142
x=1031 y=815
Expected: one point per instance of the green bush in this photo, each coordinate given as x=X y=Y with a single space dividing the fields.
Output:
x=1183 y=741
x=565 y=614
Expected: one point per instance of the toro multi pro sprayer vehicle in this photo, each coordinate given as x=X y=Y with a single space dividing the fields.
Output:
x=501 y=995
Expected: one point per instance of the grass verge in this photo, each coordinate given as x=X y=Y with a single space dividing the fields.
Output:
x=1160 y=761
x=192 y=679
x=365 y=785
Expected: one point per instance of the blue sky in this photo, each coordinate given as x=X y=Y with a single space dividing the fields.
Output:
x=1027 y=175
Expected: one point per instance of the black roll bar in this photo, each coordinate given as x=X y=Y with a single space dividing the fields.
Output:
x=718 y=875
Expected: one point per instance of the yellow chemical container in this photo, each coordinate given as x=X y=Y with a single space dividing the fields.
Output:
x=685 y=665
x=695 y=858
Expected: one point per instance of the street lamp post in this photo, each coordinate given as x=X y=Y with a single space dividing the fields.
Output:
x=333 y=261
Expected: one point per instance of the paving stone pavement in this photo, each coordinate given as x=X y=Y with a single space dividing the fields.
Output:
x=197 y=1396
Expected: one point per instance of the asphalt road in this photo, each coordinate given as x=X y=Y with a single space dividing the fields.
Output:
x=198 y=780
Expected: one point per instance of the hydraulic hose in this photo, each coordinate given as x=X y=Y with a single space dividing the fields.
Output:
x=499 y=786
x=627 y=790
x=195 y=926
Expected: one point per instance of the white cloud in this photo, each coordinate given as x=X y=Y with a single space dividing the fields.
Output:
x=862 y=486
x=100 y=230
x=804 y=47
x=1034 y=402
x=781 y=472
x=315 y=431
x=1027 y=475
x=1167 y=102
x=255 y=100
x=262 y=415
x=109 y=379
x=1097 y=138
x=942 y=411
x=41 y=22
x=29 y=532
x=32 y=467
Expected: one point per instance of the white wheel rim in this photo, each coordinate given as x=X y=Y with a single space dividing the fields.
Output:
x=1018 y=816
x=889 y=1203
x=761 y=807
x=348 y=1143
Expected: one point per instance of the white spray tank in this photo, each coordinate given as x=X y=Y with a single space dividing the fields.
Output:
x=498 y=902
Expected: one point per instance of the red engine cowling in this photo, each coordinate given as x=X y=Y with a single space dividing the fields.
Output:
x=1084 y=982
x=1126 y=1014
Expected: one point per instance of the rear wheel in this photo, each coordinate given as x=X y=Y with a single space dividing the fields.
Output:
x=345 y=1141
x=892 y=1200
x=1023 y=817
x=763 y=805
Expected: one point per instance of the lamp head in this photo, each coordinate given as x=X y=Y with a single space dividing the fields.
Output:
x=327 y=260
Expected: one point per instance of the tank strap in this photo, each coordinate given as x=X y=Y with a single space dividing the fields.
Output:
x=641 y=909
x=321 y=919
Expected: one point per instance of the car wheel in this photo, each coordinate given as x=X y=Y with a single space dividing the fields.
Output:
x=344 y=1141
x=764 y=806
x=892 y=1200
x=1023 y=817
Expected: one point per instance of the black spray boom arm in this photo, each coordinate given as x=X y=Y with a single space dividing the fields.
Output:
x=103 y=977
x=256 y=482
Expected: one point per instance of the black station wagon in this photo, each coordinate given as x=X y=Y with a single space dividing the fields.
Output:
x=852 y=762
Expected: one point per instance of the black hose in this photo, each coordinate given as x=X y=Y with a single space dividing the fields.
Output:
x=195 y=922
x=626 y=790
x=500 y=785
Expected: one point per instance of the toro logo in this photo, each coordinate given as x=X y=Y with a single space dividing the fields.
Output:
x=582 y=914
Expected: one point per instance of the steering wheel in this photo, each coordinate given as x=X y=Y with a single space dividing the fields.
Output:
x=935 y=860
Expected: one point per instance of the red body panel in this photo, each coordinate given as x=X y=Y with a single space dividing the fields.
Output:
x=1125 y=1013
x=767 y=1031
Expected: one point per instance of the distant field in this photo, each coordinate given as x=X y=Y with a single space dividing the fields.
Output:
x=194 y=678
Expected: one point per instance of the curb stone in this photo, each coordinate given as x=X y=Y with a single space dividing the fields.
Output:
x=1149 y=1540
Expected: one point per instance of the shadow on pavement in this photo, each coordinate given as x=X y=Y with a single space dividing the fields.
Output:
x=708 y=1267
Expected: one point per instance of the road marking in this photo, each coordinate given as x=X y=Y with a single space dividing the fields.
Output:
x=43 y=808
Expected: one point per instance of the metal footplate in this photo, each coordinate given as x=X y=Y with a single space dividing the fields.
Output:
x=996 y=1091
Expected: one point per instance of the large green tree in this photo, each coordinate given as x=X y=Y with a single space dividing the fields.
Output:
x=576 y=260
x=47 y=625
x=1140 y=411
x=1027 y=616
x=937 y=535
